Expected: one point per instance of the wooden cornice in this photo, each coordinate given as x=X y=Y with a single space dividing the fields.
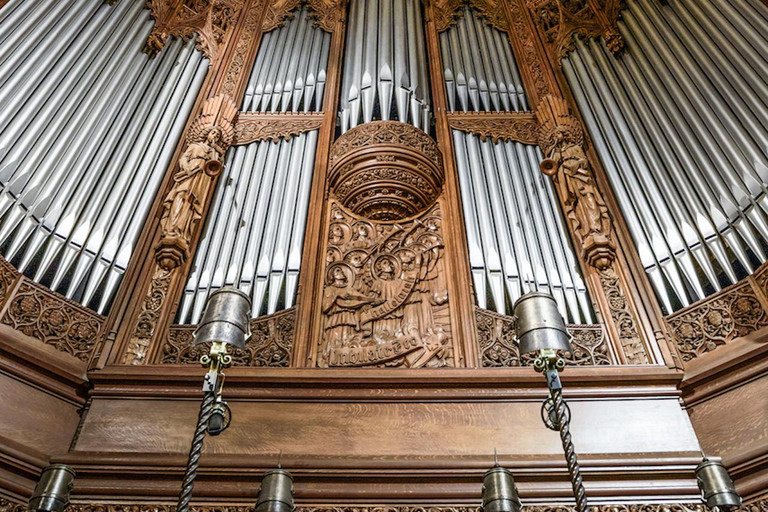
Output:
x=255 y=126
x=516 y=126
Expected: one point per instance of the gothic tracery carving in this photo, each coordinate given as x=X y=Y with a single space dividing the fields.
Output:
x=211 y=20
x=254 y=127
x=325 y=13
x=448 y=12
x=516 y=126
x=561 y=140
x=385 y=298
x=270 y=345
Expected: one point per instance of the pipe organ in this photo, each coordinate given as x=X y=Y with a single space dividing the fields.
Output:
x=384 y=180
x=680 y=122
x=89 y=126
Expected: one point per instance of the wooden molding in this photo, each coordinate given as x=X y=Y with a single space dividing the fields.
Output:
x=520 y=127
x=252 y=126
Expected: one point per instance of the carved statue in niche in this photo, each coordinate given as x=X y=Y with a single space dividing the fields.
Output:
x=385 y=300
x=209 y=137
x=562 y=141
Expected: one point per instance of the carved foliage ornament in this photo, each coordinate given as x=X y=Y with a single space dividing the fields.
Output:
x=211 y=20
x=561 y=20
x=521 y=127
x=325 y=13
x=8 y=277
x=531 y=60
x=734 y=312
x=238 y=69
x=499 y=347
x=270 y=345
x=561 y=139
x=448 y=12
x=622 y=317
x=385 y=297
x=255 y=127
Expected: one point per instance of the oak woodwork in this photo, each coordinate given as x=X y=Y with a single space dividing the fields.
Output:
x=252 y=126
x=520 y=127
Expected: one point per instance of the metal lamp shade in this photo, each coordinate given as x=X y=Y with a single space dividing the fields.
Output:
x=539 y=324
x=53 y=489
x=717 y=489
x=227 y=318
x=499 y=491
x=276 y=492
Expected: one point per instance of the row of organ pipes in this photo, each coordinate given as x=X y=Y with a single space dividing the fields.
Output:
x=89 y=126
x=680 y=122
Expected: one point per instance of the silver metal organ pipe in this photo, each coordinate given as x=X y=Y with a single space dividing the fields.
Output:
x=521 y=243
x=288 y=68
x=254 y=235
x=385 y=66
x=479 y=67
x=679 y=121
x=82 y=157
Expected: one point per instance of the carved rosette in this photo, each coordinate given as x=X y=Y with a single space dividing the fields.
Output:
x=43 y=314
x=270 y=345
x=211 y=20
x=386 y=170
x=710 y=323
x=385 y=295
x=499 y=347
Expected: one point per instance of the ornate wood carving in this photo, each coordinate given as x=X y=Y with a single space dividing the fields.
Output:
x=149 y=315
x=8 y=277
x=385 y=299
x=499 y=347
x=448 y=12
x=209 y=19
x=238 y=66
x=560 y=20
x=562 y=140
x=386 y=170
x=733 y=312
x=43 y=314
x=270 y=346
x=325 y=13
x=532 y=65
x=622 y=316
x=517 y=126
x=251 y=127
x=208 y=139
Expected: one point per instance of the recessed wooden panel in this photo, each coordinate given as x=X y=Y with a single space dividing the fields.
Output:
x=390 y=429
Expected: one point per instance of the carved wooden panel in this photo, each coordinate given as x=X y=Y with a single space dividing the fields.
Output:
x=252 y=127
x=8 y=276
x=734 y=312
x=448 y=12
x=271 y=344
x=325 y=13
x=499 y=347
x=385 y=299
x=40 y=313
x=238 y=67
x=516 y=126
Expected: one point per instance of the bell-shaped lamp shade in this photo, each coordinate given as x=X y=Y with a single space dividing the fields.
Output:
x=53 y=489
x=226 y=319
x=717 y=489
x=539 y=324
x=276 y=492
x=499 y=491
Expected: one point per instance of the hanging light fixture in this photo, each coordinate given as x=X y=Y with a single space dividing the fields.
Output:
x=717 y=489
x=276 y=492
x=52 y=491
x=226 y=321
x=540 y=329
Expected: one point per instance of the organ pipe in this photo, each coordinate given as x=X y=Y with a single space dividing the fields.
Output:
x=89 y=128
x=679 y=121
x=255 y=232
x=516 y=235
x=479 y=67
x=385 y=64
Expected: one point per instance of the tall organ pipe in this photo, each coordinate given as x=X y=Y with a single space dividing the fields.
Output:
x=87 y=140
x=385 y=66
x=516 y=235
x=479 y=67
x=679 y=121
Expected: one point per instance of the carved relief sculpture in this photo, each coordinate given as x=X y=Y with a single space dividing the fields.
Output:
x=385 y=298
x=209 y=19
x=209 y=137
x=561 y=139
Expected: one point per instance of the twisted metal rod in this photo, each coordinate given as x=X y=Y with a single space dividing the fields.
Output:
x=570 y=451
x=206 y=408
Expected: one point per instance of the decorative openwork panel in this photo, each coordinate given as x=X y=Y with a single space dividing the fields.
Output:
x=516 y=235
x=271 y=344
x=385 y=64
x=499 y=347
x=679 y=120
x=89 y=126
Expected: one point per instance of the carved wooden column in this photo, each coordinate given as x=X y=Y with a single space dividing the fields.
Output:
x=228 y=32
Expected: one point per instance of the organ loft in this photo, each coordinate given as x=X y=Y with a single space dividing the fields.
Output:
x=384 y=255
